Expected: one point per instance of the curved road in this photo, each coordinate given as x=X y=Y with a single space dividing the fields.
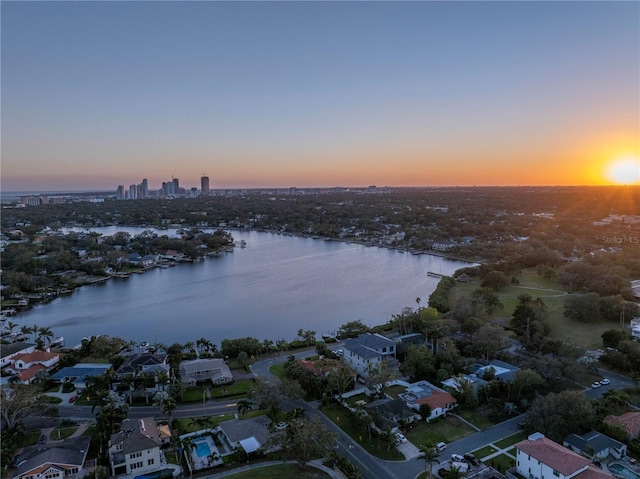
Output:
x=370 y=466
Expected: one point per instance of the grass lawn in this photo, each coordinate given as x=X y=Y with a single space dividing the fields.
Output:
x=484 y=451
x=278 y=370
x=553 y=295
x=476 y=419
x=511 y=440
x=193 y=395
x=358 y=397
x=29 y=438
x=393 y=391
x=237 y=389
x=281 y=470
x=51 y=399
x=501 y=462
x=190 y=424
x=343 y=419
x=446 y=429
x=62 y=432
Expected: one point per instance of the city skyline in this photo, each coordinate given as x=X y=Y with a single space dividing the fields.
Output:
x=97 y=94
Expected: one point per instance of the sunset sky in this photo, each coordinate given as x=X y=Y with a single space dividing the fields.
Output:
x=279 y=94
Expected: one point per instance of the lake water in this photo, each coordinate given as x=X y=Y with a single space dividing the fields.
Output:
x=268 y=290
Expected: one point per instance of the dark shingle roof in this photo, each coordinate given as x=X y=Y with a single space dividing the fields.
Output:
x=71 y=451
x=9 y=349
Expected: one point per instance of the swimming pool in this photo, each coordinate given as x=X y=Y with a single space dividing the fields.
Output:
x=620 y=470
x=202 y=448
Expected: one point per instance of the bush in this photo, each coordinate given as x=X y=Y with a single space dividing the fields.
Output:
x=68 y=387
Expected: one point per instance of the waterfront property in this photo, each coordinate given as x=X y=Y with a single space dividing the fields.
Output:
x=79 y=374
x=366 y=351
x=199 y=370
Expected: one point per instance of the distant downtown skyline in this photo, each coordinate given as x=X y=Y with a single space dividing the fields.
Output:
x=319 y=94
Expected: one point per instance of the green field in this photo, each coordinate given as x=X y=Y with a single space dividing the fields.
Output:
x=278 y=370
x=484 y=451
x=235 y=390
x=553 y=295
x=443 y=429
x=62 y=432
x=511 y=440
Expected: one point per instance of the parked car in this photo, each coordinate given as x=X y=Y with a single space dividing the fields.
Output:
x=457 y=458
x=42 y=439
x=441 y=446
x=595 y=385
x=523 y=424
x=401 y=437
x=281 y=426
x=471 y=459
x=604 y=381
x=463 y=467
x=73 y=398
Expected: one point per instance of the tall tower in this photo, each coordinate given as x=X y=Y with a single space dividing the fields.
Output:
x=145 y=188
x=204 y=185
x=120 y=193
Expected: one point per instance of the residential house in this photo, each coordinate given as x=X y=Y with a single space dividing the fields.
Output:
x=197 y=370
x=629 y=422
x=538 y=458
x=79 y=374
x=249 y=434
x=499 y=370
x=367 y=350
x=390 y=413
x=595 y=446
x=60 y=460
x=136 y=448
x=423 y=392
x=26 y=366
x=10 y=351
x=142 y=363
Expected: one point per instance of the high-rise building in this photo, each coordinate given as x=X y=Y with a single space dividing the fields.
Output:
x=145 y=188
x=204 y=185
x=176 y=186
x=120 y=193
x=133 y=192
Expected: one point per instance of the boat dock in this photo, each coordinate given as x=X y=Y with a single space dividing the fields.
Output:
x=435 y=275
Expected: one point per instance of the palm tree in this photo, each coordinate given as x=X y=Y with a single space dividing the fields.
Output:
x=11 y=325
x=387 y=437
x=455 y=473
x=295 y=413
x=430 y=454
x=25 y=331
x=45 y=334
x=34 y=329
x=162 y=379
x=244 y=405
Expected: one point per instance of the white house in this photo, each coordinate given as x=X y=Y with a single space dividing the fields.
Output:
x=197 y=370
x=367 y=350
x=27 y=365
x=423 y=392
x=136 y=448
x=540 y=458
x=9 y=351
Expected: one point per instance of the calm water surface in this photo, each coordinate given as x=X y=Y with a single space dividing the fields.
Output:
x=268 y=290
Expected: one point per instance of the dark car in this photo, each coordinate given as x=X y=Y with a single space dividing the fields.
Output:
x=471 y=459
x=523 y=425
x=42 y=439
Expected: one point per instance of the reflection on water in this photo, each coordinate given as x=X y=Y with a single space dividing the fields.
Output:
x=269 y=290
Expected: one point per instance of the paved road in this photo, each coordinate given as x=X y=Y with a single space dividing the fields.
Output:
x=370 y=466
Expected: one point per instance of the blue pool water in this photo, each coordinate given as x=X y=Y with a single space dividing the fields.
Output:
x=623 y=471
x=202 y=449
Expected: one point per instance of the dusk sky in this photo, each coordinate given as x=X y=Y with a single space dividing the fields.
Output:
x=279 y=94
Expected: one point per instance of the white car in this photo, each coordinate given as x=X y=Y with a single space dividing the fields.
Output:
x=595 y=385
x=400 y=438
x=457 y=458
x=441 y=446
x=281 y=426
x=604 y=381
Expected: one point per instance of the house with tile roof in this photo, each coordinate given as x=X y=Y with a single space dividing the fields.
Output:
x=79 y=373
x=539 y=457
x=423 y=392
x=136 y=448
x=629 y=422
x=199 y=370
x=366 y=351
x=60 y=460
x=10 y=351
x=595 y=445
x=26 y=366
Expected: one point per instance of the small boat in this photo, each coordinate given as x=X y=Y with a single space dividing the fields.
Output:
x=243 y=244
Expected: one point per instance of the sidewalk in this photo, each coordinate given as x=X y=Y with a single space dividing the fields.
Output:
x=315 y=463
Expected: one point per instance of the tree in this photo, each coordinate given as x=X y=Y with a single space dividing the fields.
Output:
x=45 y=334
x=558 y=414
x=526 y=383
x=303 y=440
x=495 y=280
x=270 y=396
x=489 y=340
x=386 y=437
x=244 y=405
x=18 y=402
x=380 y=373
x=430 y=454
x=340 y=379
x=352 y=329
